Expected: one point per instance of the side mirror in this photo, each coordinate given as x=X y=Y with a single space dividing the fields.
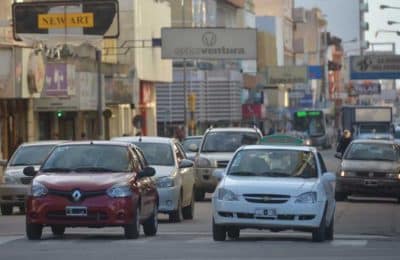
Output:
x=193 y=148
x=3 y=162
x=338 y=156
x=329 y=176
x=219 y=174
x=29 y=171
x=186 y=164
x=147 y=172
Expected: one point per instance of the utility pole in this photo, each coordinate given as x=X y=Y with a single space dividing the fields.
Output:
x=100 y=96
x=185 y=122
x=362 y=35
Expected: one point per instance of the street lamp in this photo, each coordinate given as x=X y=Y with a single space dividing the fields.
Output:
x=350 y=41
x=392 y=22
x=388 y=7
x=386 y=31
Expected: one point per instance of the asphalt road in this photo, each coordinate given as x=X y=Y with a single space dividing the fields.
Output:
x=364 y=229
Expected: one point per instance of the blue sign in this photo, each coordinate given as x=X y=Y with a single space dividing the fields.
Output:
x=375 y=67
x=315 y=72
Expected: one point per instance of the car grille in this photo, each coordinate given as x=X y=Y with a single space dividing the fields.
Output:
x=266 y=198
x=371 y=174
x=84 y=194
x=60 y=215
x=222 y=164
x=26 y=180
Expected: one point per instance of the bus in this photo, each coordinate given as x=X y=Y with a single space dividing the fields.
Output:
x=312 y=126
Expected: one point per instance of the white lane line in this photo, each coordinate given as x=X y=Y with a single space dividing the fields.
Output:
x=359 y=243
x=200 y=240
x=7 y=239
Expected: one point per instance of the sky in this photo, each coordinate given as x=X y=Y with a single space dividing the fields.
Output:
x=343 y=21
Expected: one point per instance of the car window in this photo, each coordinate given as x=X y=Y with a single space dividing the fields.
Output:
x=371 y=151
x=191 y=142
x=138 y=166
x=30 y=155
x=322 y=163
x=274 y=163
x=157 y=153
x=142 y=159
x=228 y=141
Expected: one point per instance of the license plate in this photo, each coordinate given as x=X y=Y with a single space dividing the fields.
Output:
x=265 y=213
x=371 y=182
x=76 y=211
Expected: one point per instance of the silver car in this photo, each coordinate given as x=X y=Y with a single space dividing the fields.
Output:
x=174 y=174
x=216 y=150
x=15 y=185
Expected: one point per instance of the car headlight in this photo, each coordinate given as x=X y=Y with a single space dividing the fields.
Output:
x=307 y=142
x=38 y=189
x=308 y=197
x=119 y=191
x=202 y=162
x=165 y=182
x=394 y=176
x=227 y=195
x=347 y=174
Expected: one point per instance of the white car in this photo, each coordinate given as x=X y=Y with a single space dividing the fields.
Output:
x=275 y=187
x=174 y=174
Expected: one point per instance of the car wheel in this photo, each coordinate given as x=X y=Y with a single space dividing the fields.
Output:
x=6 y=210
x=150 y=227
x=58 y=230
x=132 y=230
x=233 y=232
x=318 y=234
x=340 y=196
x=219 y=232
x=199 y=195
x=188 y=211
x=330 y=231
x=176 y=215
x=34 y=231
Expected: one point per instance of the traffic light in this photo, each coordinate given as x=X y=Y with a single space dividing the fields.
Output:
x=192 y=102
x=60 y=114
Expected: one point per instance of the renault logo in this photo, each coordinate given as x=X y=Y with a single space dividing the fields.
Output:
x=209 y=39
x=371 y=174
x=76 y=195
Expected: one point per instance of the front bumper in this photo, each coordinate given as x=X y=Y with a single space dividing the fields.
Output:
x=289 y=215
x=368 y=186
x=204 y=179
x=101 y=211
x=13 y=194
x=168 y=199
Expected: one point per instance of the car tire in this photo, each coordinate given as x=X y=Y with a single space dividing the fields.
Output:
x=176 y=215
x=199 y=195
x=233 y=232
x=132 y=230
x=6 y=210
x=150 y=226
x=219 y=232
x=34 y=231
x=319 y=233
x=58 y=230
x=330 y=231
x=188 y=211
x=340 y=196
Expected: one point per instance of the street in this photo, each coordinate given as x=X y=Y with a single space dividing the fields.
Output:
x=364 y=229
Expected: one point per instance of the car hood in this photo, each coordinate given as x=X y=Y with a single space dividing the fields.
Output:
x=358 y=165
x=268 y=185
x=84 y=181
x=163 y=171
x=214 y=157
x=19 y=170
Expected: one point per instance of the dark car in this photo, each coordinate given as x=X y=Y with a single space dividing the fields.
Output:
x=92 y=184
x=369 y=167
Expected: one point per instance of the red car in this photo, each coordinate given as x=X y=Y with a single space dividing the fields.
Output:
x=92 y=184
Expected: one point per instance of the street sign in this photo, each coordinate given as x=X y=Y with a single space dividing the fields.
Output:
x=209 y=43
x=60 y=20
x=375 y=67
x=286 y=75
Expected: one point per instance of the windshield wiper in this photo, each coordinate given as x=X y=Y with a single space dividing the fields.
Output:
x=276 y=174
x=55 y=169
x=93 y=169
x=242 y=173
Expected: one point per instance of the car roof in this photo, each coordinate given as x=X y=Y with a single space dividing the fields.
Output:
x=234 y=129
x=193 y=137
x=280 y=147
x=96 y=142
x=40 y=143
x=144 y=139
x=374 y=141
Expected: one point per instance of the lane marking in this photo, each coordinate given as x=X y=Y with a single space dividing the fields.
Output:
x=7 y=239
x=359 y=243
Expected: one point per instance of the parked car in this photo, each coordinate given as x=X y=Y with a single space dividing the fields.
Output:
x=191 y=145
x=92 y=184
x=369 y=167
x=174 y=174
x=275 y=187
x=14 y=189
x=217 y=148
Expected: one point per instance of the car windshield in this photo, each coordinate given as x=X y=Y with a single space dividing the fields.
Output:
x=30 y=155
x=191 y=143
x=88 y=158
x=274 y=163
x=157 y=153
x=228 y=141
x=371 y=151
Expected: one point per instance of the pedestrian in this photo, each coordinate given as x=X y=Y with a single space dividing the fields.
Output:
x=344 y=141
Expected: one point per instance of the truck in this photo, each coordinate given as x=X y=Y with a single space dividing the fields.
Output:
x=368 y=121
